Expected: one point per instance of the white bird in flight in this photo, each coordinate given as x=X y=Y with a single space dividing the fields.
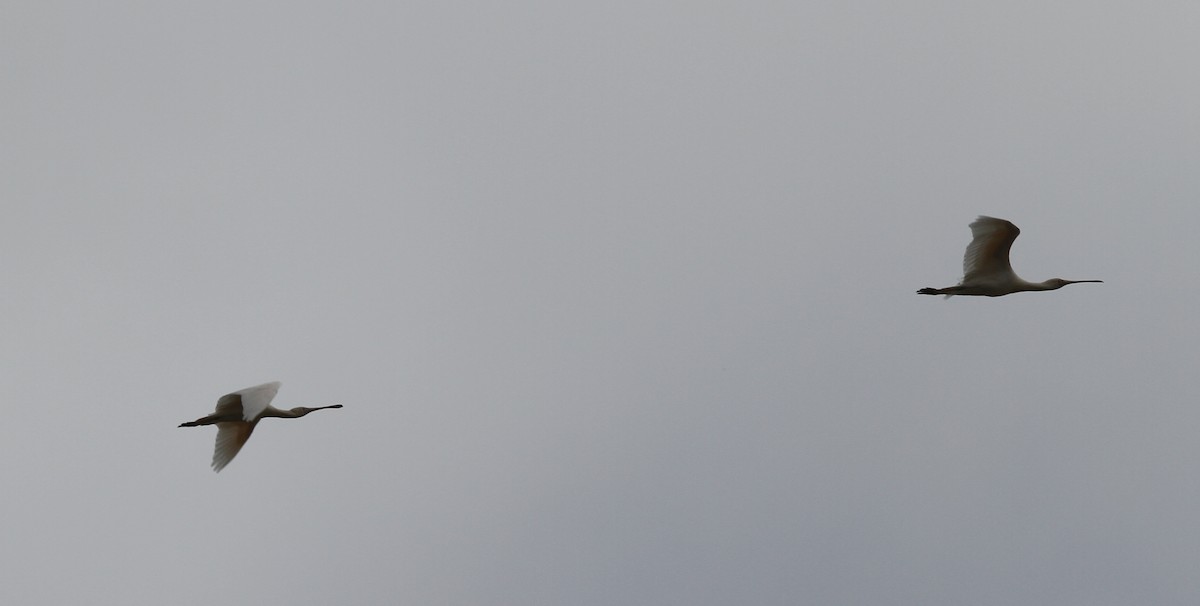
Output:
x=236 y=415
x=986 y=270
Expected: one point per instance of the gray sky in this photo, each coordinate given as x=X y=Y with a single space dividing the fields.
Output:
x=619 y=298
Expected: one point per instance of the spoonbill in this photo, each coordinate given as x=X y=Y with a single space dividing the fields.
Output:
x=236 y=415
x=986 y=270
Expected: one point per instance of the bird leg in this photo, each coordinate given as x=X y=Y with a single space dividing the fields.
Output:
x=209 y=420
x=949 y=290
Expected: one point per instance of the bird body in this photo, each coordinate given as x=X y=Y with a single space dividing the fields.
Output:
x=986 y=268
x=238 y=413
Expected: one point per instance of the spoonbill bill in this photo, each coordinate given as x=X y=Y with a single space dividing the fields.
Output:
x=986 y=270
x=236 y=415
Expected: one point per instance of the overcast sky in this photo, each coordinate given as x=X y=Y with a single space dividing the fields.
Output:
x=618 y=296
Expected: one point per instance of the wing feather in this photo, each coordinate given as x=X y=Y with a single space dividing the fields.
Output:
x=250 y=402
x=987 y=253
x=230 y=439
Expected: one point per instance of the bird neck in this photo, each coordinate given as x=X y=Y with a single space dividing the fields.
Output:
x=293 y=413
x=279 y=413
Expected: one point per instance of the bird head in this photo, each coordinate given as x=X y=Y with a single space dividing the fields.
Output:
x=1056 y=283
x=303 y=410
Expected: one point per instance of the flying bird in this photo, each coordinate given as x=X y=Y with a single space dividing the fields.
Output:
x=236 y=415
x=986 y=270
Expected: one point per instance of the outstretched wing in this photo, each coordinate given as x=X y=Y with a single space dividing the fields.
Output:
x=249 y=402
x=987 y=253
x=230 y=439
